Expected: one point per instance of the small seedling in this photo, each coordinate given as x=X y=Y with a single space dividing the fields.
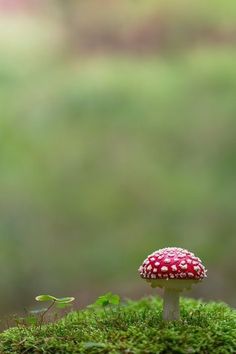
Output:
x=54 y=301
x=108 y=299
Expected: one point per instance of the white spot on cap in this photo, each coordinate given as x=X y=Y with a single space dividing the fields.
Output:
x=154 y=270
x=191 y=275
x=182 y=275
x=167 y=260
x=157 y=264
x=174 y=268
x=153 y=259
x=172 y=275
x=164 y=269
x=176 y=259
x=183 y=266
x=149 y=267
x=189 y=261
x=195 y=262
x=196 y=259
x=196 y=268
x=159 y=275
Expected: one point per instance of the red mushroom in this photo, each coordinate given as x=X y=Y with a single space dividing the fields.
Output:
x=173 y=269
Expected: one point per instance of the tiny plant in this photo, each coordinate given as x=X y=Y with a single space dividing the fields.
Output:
x=105 y=300
x=61 y=302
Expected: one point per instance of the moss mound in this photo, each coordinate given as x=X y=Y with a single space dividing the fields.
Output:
x=133 y=327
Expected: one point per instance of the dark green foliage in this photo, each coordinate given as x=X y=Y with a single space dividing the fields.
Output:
x=135 y=327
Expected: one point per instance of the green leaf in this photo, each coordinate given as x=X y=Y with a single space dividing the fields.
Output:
x=61 y=300
x=64 y=300
x=114 y=299
x=45 y=298
x=107 y=299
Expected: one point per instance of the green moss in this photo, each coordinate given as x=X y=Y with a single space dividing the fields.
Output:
x=134 y=327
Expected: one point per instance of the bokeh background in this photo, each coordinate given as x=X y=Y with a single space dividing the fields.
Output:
x=117 y=137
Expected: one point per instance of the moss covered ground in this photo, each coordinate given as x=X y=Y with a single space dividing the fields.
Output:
x=133 y=327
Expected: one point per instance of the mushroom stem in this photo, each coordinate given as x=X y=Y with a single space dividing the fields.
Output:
x=171 y=305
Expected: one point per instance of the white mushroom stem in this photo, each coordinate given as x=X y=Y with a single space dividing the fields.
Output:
x=172 y=289
x=171 y=305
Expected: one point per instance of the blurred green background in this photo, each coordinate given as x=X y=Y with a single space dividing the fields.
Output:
x=117 y=137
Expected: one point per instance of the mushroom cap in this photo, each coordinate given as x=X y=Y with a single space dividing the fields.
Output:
x=172 y=263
